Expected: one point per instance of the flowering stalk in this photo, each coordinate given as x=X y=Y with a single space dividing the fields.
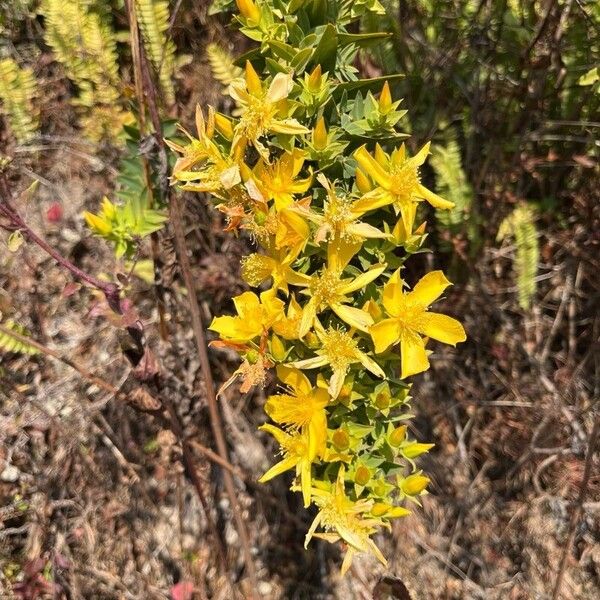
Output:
x=314 y=170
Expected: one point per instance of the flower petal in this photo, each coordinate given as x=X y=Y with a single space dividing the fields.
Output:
x=364 y=230
x=392 y=294
x=443 y=328
x=288 y=126
x=305 y=481
x=371 y=167
x=413 y=355
x=310 y=363
x=369 y=364
x=280 y=87
x=363 y=279
x=433 y=199
x=371 y=201
x=309 y=313
x=294 y=378
x=429 y=288
x=281 y=467
x=355 y=317
x=385 y=334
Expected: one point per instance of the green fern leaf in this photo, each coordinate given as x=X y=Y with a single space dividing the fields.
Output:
x=8 y=343
x=222 y=64
x=18 y=90
x=453 y=185
x=84 y=42
x=520 y=225
x=153 y=19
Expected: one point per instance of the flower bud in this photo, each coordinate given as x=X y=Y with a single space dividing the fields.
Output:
x=319 y=135
x=340 y=439
x=397 y=436
x=260 y=217
x=278 y=351
x=413 y=485
x=362 y=475
x=249 y=10
x=253 y=82
x=252 y=356
x=311 y=340
x=363 y=183
x=385 y=99
x=383 y=400
x=315 y=80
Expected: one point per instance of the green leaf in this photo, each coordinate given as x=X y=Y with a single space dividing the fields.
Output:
x=362 y=39
x=15 y=241
x=590 y=78
x=374 y=84
x=326 y=50
x=10 y=344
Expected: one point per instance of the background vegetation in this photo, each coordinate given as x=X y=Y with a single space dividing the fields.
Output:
x=108 y=486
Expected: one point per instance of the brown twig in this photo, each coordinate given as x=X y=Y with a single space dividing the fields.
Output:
x=137 y=54
x=149 y=97
x=575 y=517
x=15 y=222
x=215 y=417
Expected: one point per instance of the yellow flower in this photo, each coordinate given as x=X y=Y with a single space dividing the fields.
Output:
x=278 y=181
x=302 y=410
x=339 y=221
x=257 y=268
x=342 y=518
x=202 y=166
x=260 y=110
x=327 y=289
x=288 y=327
x=295 y=452
x=339 y=350
x=398 y=180
x=410 y=320
x=255 y=317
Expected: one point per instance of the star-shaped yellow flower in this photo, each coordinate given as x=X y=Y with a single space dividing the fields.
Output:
x=279 y=181
x=255 y=317
x=340 y=218
x=328 y=289
x=338 y=350
x=303 y=409
x=295 y=450
x=262 y=110
x=342 y=518
x=398 y=180
x=409 y=320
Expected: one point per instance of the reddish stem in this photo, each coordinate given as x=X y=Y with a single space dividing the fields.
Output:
x=16 y=222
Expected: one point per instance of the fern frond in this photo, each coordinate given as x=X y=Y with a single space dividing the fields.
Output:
x=153 y=19
x=222 y=64
x=453 y=185
x=520 y=225
x=84 y=42
x=8 y=343
x=18 y=90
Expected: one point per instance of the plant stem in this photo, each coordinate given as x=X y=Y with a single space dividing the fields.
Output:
x=110 y=290
x=215 y=417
